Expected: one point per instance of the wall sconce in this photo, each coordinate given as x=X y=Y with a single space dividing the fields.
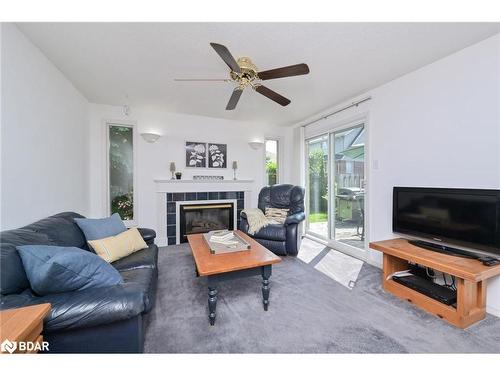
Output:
x=255 y=144
x=150 y=137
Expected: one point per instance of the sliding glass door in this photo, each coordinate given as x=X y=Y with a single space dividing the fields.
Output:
x=348 y=179
x=335 y=175
x=317 y=150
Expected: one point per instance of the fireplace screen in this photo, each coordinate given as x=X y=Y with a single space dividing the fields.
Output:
x=202 y=218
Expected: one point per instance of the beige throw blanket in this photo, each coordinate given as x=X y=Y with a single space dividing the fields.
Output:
x=256 y=220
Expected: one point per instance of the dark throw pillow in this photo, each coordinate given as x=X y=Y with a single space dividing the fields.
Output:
x=95 y=229
x=55 y=269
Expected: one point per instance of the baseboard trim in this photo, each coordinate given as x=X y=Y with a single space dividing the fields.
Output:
x=493 y=311
x=161 y=242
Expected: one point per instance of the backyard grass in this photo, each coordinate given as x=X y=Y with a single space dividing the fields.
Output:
x=318 y=217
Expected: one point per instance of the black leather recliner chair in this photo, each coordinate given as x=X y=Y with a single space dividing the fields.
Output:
x=281 y=239
x=97 y=320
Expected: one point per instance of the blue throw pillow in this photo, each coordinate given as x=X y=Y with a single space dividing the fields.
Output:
x=96 y=229
x=54 y=269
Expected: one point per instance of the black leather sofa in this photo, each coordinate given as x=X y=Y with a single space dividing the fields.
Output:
x=97 y=320
x=281 y=239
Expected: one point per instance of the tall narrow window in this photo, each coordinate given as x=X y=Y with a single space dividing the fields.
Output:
x=121 y=170
x=272 y=166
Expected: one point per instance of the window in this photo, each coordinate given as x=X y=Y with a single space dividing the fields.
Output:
x=272 y=162
x=121 y=170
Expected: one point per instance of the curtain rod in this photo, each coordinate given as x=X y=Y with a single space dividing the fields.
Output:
x=353 y=104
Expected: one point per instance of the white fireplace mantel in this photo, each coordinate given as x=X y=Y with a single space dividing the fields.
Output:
x=164 y=186
x=176 y=186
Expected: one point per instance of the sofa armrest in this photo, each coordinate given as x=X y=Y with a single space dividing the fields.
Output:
x=148 y=235
x=295 y=218
x=243 y=223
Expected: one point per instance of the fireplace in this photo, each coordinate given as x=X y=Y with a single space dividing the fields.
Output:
x=173 y=201
x=200 y=217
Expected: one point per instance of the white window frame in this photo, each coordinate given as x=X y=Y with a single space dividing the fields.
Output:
x=128 y=124
x=279 y=157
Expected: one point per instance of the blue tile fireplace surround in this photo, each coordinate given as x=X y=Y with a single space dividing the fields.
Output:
x=172 y=198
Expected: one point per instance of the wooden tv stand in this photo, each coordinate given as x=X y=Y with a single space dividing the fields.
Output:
x=470 y=275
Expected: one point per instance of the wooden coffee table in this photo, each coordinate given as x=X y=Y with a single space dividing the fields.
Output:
x=221 y=267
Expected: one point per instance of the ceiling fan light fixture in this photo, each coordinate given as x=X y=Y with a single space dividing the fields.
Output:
x=243 y=72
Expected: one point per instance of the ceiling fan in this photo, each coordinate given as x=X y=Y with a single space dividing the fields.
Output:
x=244 y=73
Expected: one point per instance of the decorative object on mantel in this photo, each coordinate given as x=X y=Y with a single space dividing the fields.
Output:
x=235 y=167
x=208 y=178
x=256 y=144
x=178 y=175
x=150 y=137
x=172 y=169
x=196 y=155
x=217 y=155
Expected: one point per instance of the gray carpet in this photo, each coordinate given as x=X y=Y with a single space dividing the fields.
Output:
x=309 y=313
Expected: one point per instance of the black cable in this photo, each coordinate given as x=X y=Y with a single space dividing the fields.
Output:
x=444 y=280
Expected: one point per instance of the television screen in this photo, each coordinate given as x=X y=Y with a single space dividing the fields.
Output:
x=468 y=217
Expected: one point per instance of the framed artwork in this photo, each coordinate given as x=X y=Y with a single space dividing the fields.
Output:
x=217 y=155
x=196 y=155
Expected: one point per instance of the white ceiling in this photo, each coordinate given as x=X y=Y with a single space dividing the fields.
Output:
x=107 y=61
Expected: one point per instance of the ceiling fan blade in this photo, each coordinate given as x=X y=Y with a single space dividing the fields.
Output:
x=272 y=95
x=201 y=80
x=226 y=56
x=286 y=71
x=233 y=100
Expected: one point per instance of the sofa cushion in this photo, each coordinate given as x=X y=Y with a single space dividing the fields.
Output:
x=13 y=278
x=60 y=229
x=84 y=308
x=95 y=229
x=275 y=232
x=282 y=196
x=119 y=246
x=54 y=269
x=146 y=258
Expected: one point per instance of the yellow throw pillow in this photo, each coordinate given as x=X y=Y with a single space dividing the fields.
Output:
x=119 y=246
x=277 y=215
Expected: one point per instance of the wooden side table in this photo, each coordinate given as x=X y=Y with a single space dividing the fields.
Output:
x=471 y=278
x=20 y=326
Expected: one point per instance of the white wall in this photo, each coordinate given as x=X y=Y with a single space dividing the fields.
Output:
x=438 y=126
x=153 y=159
x=44 y=136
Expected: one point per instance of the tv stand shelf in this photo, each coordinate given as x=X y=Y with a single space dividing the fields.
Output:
x=471 y=278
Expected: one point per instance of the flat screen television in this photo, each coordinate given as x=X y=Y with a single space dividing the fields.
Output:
x=466 y=217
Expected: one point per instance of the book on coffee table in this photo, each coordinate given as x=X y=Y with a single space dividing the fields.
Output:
x=220 y=242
